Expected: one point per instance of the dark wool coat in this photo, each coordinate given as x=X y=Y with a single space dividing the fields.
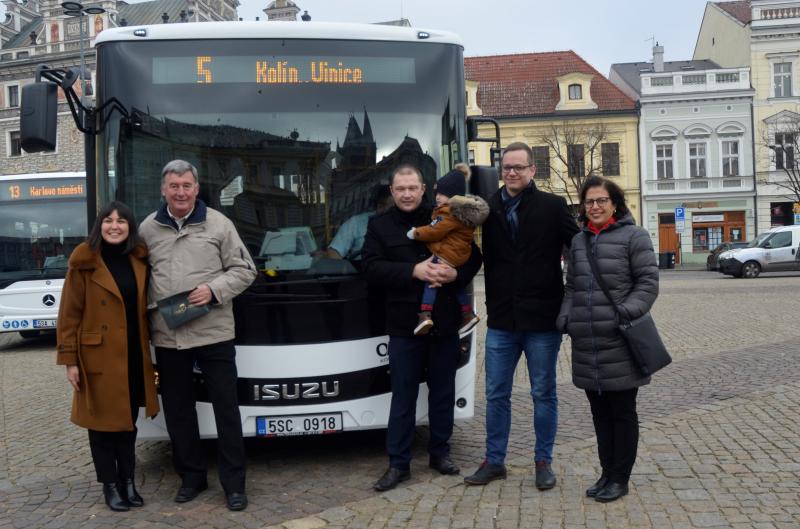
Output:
x=524 y=281
x=92 y=334
x=389 y=258
x=625 y=258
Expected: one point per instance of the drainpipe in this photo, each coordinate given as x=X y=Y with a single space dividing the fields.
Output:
x=755 y=179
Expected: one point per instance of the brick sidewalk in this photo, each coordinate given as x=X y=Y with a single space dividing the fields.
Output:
x=734 y=464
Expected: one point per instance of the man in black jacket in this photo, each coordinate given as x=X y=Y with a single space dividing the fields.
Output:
x=523 y=239
x=400 y=267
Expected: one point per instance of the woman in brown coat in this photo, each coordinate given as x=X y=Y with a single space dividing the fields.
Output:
x=103 y=341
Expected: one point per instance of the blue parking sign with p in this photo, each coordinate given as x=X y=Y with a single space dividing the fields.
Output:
x=680 y=214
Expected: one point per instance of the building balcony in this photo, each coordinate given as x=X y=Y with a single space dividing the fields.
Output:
x=683 y=186
x=688 y=81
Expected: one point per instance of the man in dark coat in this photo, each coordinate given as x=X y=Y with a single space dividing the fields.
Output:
x=523 y=240
x=400 y=267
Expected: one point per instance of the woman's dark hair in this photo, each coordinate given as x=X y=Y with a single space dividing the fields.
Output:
x=95 y=238
x=614 y=192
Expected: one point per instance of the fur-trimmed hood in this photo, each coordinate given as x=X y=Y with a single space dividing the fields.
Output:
x=471 y=210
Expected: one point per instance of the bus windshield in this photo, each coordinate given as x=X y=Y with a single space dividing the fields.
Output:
x=294 y=146
x=41 y=222
x=294 y=141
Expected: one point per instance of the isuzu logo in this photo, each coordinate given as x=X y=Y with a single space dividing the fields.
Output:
x=49 y=300
x=297 y=390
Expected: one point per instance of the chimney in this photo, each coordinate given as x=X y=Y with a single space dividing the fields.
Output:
x=184 y=17
x=306 y=17
x=165 y=17
x=658 y=58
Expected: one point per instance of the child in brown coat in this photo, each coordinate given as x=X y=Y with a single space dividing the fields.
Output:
x=449 y=238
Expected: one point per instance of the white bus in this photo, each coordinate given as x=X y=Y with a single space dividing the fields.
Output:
x=294 y=128
x=42 y=219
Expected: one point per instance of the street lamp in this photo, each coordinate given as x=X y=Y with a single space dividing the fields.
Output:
x=76 y=9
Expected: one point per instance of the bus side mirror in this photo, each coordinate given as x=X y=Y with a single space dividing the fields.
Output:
x=484 y=181
x=38 y=114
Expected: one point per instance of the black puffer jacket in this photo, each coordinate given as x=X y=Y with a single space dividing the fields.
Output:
x=625 y=258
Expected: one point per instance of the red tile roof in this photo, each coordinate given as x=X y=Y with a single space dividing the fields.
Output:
x=740 y=10
x=525 y=84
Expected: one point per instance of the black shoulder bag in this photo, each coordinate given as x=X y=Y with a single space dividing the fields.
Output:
x=641 y=335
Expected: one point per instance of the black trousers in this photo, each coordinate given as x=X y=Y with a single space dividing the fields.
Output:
x=617 y=427
x=218 y=364
x=412 y=360
x=114 y=453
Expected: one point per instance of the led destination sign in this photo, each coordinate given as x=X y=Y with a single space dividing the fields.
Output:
x=210 y=69
x=41 y=189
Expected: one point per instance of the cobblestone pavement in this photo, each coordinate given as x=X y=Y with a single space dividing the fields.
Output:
x=720 y=442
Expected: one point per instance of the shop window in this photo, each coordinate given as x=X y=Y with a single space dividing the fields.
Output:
x=737 y=235
x=704 y=239
x=781 y=214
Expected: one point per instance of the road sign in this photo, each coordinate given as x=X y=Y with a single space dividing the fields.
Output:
x=680 y=214
x=797 y=218
x=680 y=226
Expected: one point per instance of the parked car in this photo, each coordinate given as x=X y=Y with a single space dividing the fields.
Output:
x=776 y=250
x=712 y=262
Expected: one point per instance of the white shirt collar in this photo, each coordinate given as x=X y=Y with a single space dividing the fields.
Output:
x=180 y=221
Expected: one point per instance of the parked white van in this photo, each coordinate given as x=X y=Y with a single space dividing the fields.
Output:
x=776 y=250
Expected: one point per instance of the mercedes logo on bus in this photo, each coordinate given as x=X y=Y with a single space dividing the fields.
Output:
x=49 y=300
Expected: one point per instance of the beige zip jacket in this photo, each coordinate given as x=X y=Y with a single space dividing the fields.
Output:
x=206 y=249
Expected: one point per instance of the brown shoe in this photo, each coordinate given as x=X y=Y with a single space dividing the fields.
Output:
x=425 y=324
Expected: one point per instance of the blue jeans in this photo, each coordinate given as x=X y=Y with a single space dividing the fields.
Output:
x=429 y=293
x=503 y=349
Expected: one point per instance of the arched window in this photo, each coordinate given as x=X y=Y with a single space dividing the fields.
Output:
x=575 y=91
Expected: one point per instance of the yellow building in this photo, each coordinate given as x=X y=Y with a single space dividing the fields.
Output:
x=576 y=121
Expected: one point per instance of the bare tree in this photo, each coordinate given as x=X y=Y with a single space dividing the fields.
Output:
x=574 y=151
x=785 y=146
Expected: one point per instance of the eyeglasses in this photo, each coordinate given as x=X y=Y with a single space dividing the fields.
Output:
x=602 y=201
x=516 y=168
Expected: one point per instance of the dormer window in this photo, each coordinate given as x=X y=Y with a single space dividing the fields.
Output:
x=575 y=92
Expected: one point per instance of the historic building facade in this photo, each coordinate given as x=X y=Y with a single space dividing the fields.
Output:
x=38 y=32
x=696 y=152
x=764 y=35
x=577 y=122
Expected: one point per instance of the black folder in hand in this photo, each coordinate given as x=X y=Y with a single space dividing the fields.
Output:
x=176 y=309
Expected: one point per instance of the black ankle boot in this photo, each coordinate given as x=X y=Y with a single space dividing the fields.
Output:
x=127 y=489
x=114 y=498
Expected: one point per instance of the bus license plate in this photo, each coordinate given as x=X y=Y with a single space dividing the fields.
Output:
x=44 y=324
x=323 y=423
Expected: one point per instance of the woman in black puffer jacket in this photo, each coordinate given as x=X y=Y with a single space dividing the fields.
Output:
x=601 y=362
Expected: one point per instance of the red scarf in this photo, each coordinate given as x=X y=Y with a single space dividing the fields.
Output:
x=597 y=231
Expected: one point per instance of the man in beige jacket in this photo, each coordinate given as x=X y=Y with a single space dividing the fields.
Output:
x=195 y=248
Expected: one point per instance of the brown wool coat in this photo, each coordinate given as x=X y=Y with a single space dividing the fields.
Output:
x=92 y=334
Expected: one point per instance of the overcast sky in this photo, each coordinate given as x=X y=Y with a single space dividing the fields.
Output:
x=601 y=31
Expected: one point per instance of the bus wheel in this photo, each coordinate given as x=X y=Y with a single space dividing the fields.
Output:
x=29 y=334
x=750 y=270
